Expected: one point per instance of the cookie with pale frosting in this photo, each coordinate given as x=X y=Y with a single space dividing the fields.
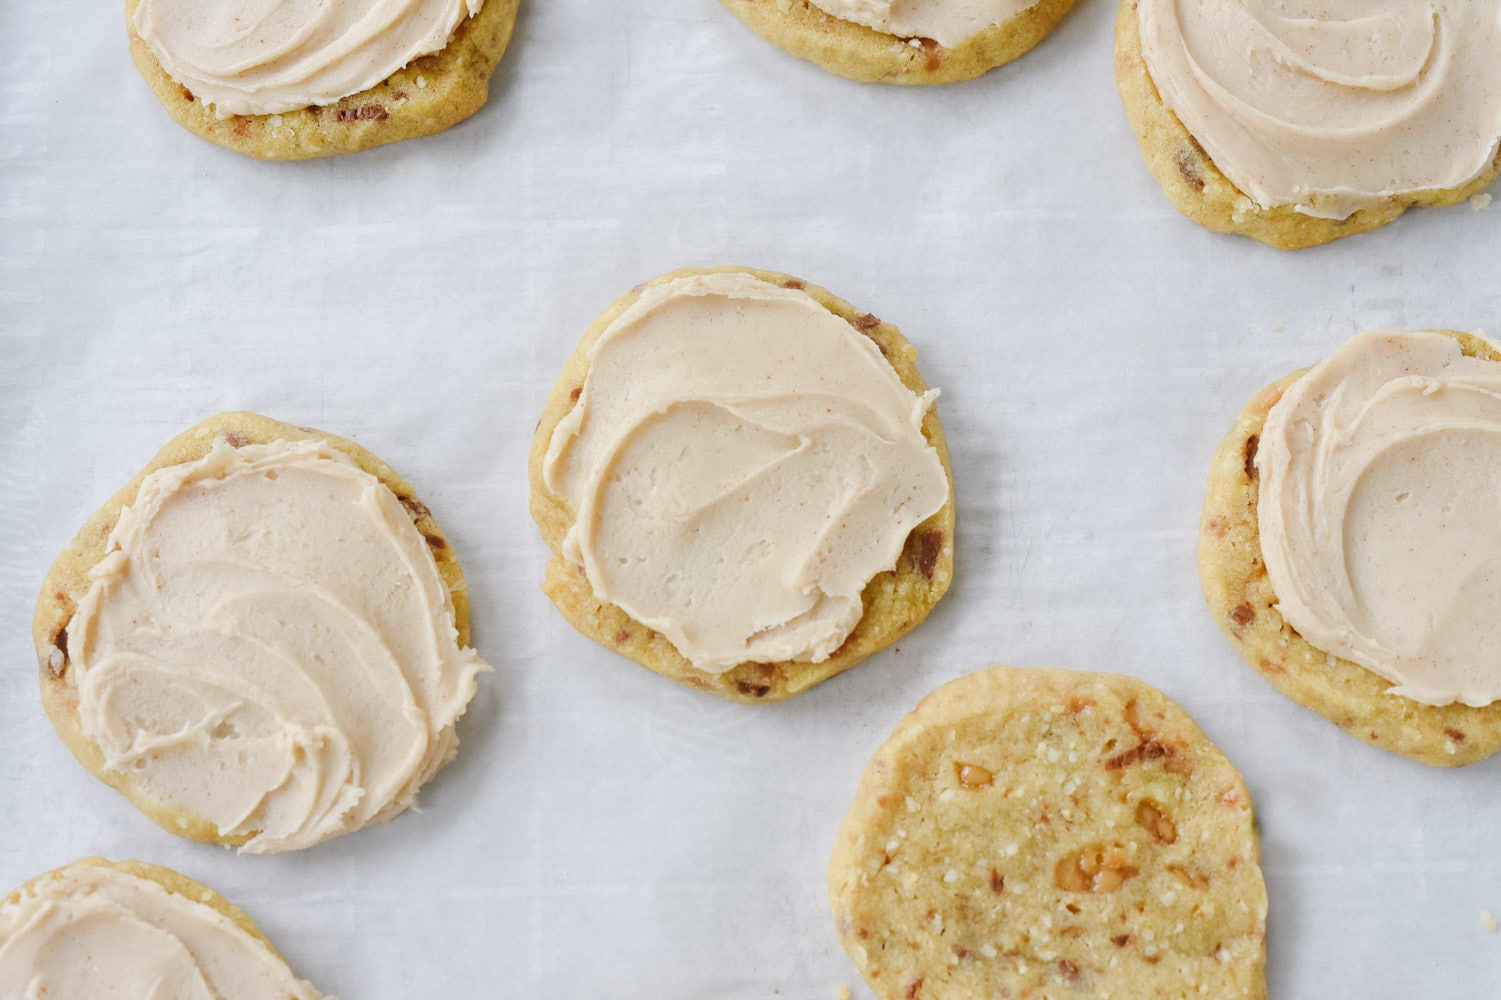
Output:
x=878 y=41
x=261 y=640
x=1378 y=590
x=1047 y=833
x=99 y=928
x=1328 y=128
x=302 y=103
x=743 y=483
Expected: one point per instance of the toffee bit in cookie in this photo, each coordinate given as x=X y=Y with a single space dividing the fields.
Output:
x=972 y=775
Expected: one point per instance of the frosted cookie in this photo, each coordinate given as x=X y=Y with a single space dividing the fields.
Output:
x=1349 y=547
x=743 y=483
x=298 y=79
x=1046 y=833
x=261 y=640
x=99 y=930
x=1298 y=126
x=903 y=41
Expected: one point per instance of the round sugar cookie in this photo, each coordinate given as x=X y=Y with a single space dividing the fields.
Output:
x=860 y=53
x=69 y=581
x=1031 y=833
x=894 y=601
x=428 y=95
x=240 y=943
x=1240 y=598
x=1198 y=188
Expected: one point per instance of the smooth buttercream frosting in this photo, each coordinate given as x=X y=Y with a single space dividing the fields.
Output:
x=268 y=645
x=260 y=57
x=948 y=22
x=1379 y=509
x=99 y=933
x=741 y=462
x=1335 y=106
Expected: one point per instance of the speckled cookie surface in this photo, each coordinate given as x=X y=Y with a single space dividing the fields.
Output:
x=860 y=53
x=425 y=97
x=1240 y=597
x=894 y=601
x=68 y=581
x=1046 y=833
x=1198 y=189
x=173 y=882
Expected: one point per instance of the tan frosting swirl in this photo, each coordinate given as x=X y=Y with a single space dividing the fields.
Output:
x=741 y=462
x=260 y=57
x=1332 y=107
x=1379 y=510
x=269 y=645
x=100 y=933
x=948 y=22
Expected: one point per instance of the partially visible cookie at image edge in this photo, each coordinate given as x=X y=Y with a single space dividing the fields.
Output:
x=1239 y=591
x=867 y=41
x=128 y=928
x=1297 y=190
x=398 y=100
x=1043 y=832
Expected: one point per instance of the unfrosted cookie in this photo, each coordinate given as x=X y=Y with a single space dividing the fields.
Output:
x=421 y=97
x=1422 y=151
x=879 y=50
x=264 y=602
x=707 y=399
x=1046 y=833
x=1233 y=572
x=129 y=929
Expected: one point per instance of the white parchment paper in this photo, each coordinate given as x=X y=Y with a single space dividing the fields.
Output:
x=603 y=832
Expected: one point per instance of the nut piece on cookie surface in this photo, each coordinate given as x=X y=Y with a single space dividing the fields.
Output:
x=261 y=640
x=743 y=482
x=128 y=929
x=876 y=41
x=346 y=85
x=1113 y=852
x=1296 y=476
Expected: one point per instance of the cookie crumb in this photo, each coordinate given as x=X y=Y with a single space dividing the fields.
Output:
x=1488 y=920
x=842 y=992
x=1480 y=201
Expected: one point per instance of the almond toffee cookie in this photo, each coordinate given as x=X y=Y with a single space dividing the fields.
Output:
x=1296 y=125
x=261 y=640
x=1047 y=833
x=743 y=483
x=903 y=41
x=1349 y=546
x=101 y=930
x=298 y=79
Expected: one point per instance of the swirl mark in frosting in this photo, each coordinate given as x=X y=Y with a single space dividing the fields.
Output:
x=257 y=57
x=1332 y=107
x=741 y=463
x=268 y=645
x=1379 y=508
